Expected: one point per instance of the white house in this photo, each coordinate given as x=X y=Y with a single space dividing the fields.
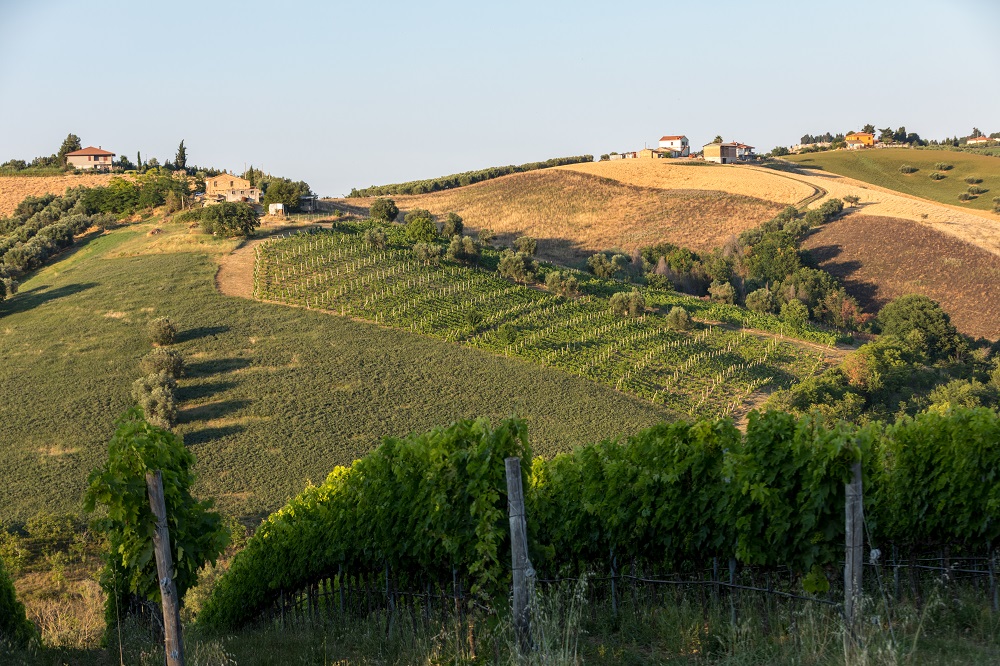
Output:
x=744 y=152
x=677 y=145
x=978 y=141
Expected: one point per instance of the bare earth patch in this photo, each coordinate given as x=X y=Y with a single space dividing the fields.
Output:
x=881 y=258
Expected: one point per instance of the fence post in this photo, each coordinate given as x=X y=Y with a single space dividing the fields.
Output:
x=520 y=563
x=173 y=644
x=994 y=595
x=614 y=586
x=854 y=542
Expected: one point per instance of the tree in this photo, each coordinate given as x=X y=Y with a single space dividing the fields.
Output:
x=779 y=151
x=487 y=236
x=795 y=313
x=885 y=135
x=230 y=219
x=285 y=192
x=161 y=331
x=180 y=160
x=717 y=139
x=197 y=534
x=722 y=292
x=517 y=266
x=601 y=266
x=376 y=237
x=562 y=283
x=383 y=210
x=918 y=314
x=162 y=360
x=627 y=304
x=679 y=319
x=428 y=253
x=462 y=248
x=975 y=133
x=69 y=144
x=852 y=199
x=420 y=227
x=526 y=244
x=138 y=160
x=452 y=225
x=761 y=300
x=868 y=129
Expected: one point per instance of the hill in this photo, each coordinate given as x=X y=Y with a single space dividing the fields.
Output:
x=274 y=395
x=14 y=189
x=881 y=168
x=881 y=258
x=575 y=214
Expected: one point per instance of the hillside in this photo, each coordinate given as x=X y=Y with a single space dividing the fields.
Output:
x=13 y=189
x=881 y=258
x=274 y=395
x=881 y=168
x=574 y=214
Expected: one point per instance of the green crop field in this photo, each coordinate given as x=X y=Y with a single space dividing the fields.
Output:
x=707 y=371
x=881 y=167
x=274 y=396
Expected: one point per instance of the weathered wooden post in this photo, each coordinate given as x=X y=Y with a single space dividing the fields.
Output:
x=854 y=542
x=520 y=563
x=173 y=643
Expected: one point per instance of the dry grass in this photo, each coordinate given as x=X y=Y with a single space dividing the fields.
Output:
x=981 y=228
x=68 y=610
x=678 y=175
x=13 y=189
x=880 y=258
x=575 y=214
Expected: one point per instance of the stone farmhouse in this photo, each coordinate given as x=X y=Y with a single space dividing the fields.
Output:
x=227 y=187
x=91 y=158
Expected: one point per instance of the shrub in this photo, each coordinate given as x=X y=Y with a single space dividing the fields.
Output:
x=761 y=300
x=795 y=313
x=973 y=180
x=632 y=303
x=452 y=225
x=852 y=199
x=964 y=196
x=154 y=393
x=679 y=319
x=601 y=266
x=517 y=266
x=507 y=334
x=15 y=627
x=383 y=210
x=914 y=313
x=161 y=331
x=943 y=166
x=375 y=237
x=230 y=219
x=975 y=189
x=562 y=283
x=526 y=244
x=462 y=248
x=937 y=176
x=487 y=236
x=722 y=292
x=831 y=208
x=420 y=227
x=429 y=253
x=162 y=360
x=907 y=168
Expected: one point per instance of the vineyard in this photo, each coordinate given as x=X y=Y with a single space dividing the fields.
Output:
x=709 y=371
x=430 y=508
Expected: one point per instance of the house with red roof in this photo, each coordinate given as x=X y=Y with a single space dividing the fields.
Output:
x=90 y=158
x=675 y=144
x=978 y=140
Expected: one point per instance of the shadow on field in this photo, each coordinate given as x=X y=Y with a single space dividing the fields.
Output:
x=216 y=366
x=206 y=435
x=201 y=332
x=201 y=391
x=32 y=298
x=213 y=410
x=825 y=256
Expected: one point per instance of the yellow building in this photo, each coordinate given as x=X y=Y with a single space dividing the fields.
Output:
x=226 y=187
x=722 y=153
x=860 y=140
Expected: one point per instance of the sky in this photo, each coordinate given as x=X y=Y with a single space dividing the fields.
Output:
x=351 y=94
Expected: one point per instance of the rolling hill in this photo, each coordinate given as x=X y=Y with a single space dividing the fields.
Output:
x=13 y=189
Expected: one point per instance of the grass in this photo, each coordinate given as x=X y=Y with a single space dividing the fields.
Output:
x=275 y=396
x=864 y=252
x=882 y=168
x=575 y=214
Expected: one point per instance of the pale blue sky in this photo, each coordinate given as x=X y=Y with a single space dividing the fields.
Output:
x=354 y=94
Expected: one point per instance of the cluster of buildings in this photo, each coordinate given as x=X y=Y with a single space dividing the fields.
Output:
x=678 y=145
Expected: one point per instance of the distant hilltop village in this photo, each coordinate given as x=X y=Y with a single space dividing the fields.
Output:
x=676 y=146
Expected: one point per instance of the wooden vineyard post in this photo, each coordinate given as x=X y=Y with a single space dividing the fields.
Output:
x=173 y=643
x=519 y=555
x=854 y=541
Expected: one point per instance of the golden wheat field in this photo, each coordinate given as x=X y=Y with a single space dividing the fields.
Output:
x=574 y=214
x=681 y=175
x=13 y=189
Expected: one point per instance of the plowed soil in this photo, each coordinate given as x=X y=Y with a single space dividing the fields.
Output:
x=881 y=258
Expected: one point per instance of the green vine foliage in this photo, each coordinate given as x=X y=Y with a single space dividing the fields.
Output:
x=16 y=630
x=421 y=506
x=671 y=497
x=197 y=535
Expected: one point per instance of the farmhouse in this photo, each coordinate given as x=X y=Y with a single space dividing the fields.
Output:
x=90 y=158
x=723 y=153
x=857 y=140
x=978 y=141
x=676 y=145
x=744 y=152
x=227 y=187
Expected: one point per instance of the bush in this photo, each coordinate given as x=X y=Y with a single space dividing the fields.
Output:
x=15 y=628
x=383 y=210
x=831 y=208
x=230 y=219
x=507 y=334
x=761 y=300
x=964 y=196
x=162 y=360
x=526 y=244
x=795 y=313
x=907 y=168
x=420 y=227
x=852 y=199
x=161 y=331
x=625 y=304
x=562 y=283
x=601 y=266
x=429 y=253
x=973 y=180
x=462 y=248
x=517 y=266
x=937 y=176
x=375 y=237
x=915 y=313
x=975 y=190
x=452 y=225
x=155 y=394
x=679 y=319
x=487 y=236
x=943 y=166
x=722 y=292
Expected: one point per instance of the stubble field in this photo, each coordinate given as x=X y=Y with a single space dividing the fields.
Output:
x=14 y=189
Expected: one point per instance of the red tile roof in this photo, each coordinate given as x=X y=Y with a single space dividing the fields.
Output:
x=90 y=150
x=671 y=138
